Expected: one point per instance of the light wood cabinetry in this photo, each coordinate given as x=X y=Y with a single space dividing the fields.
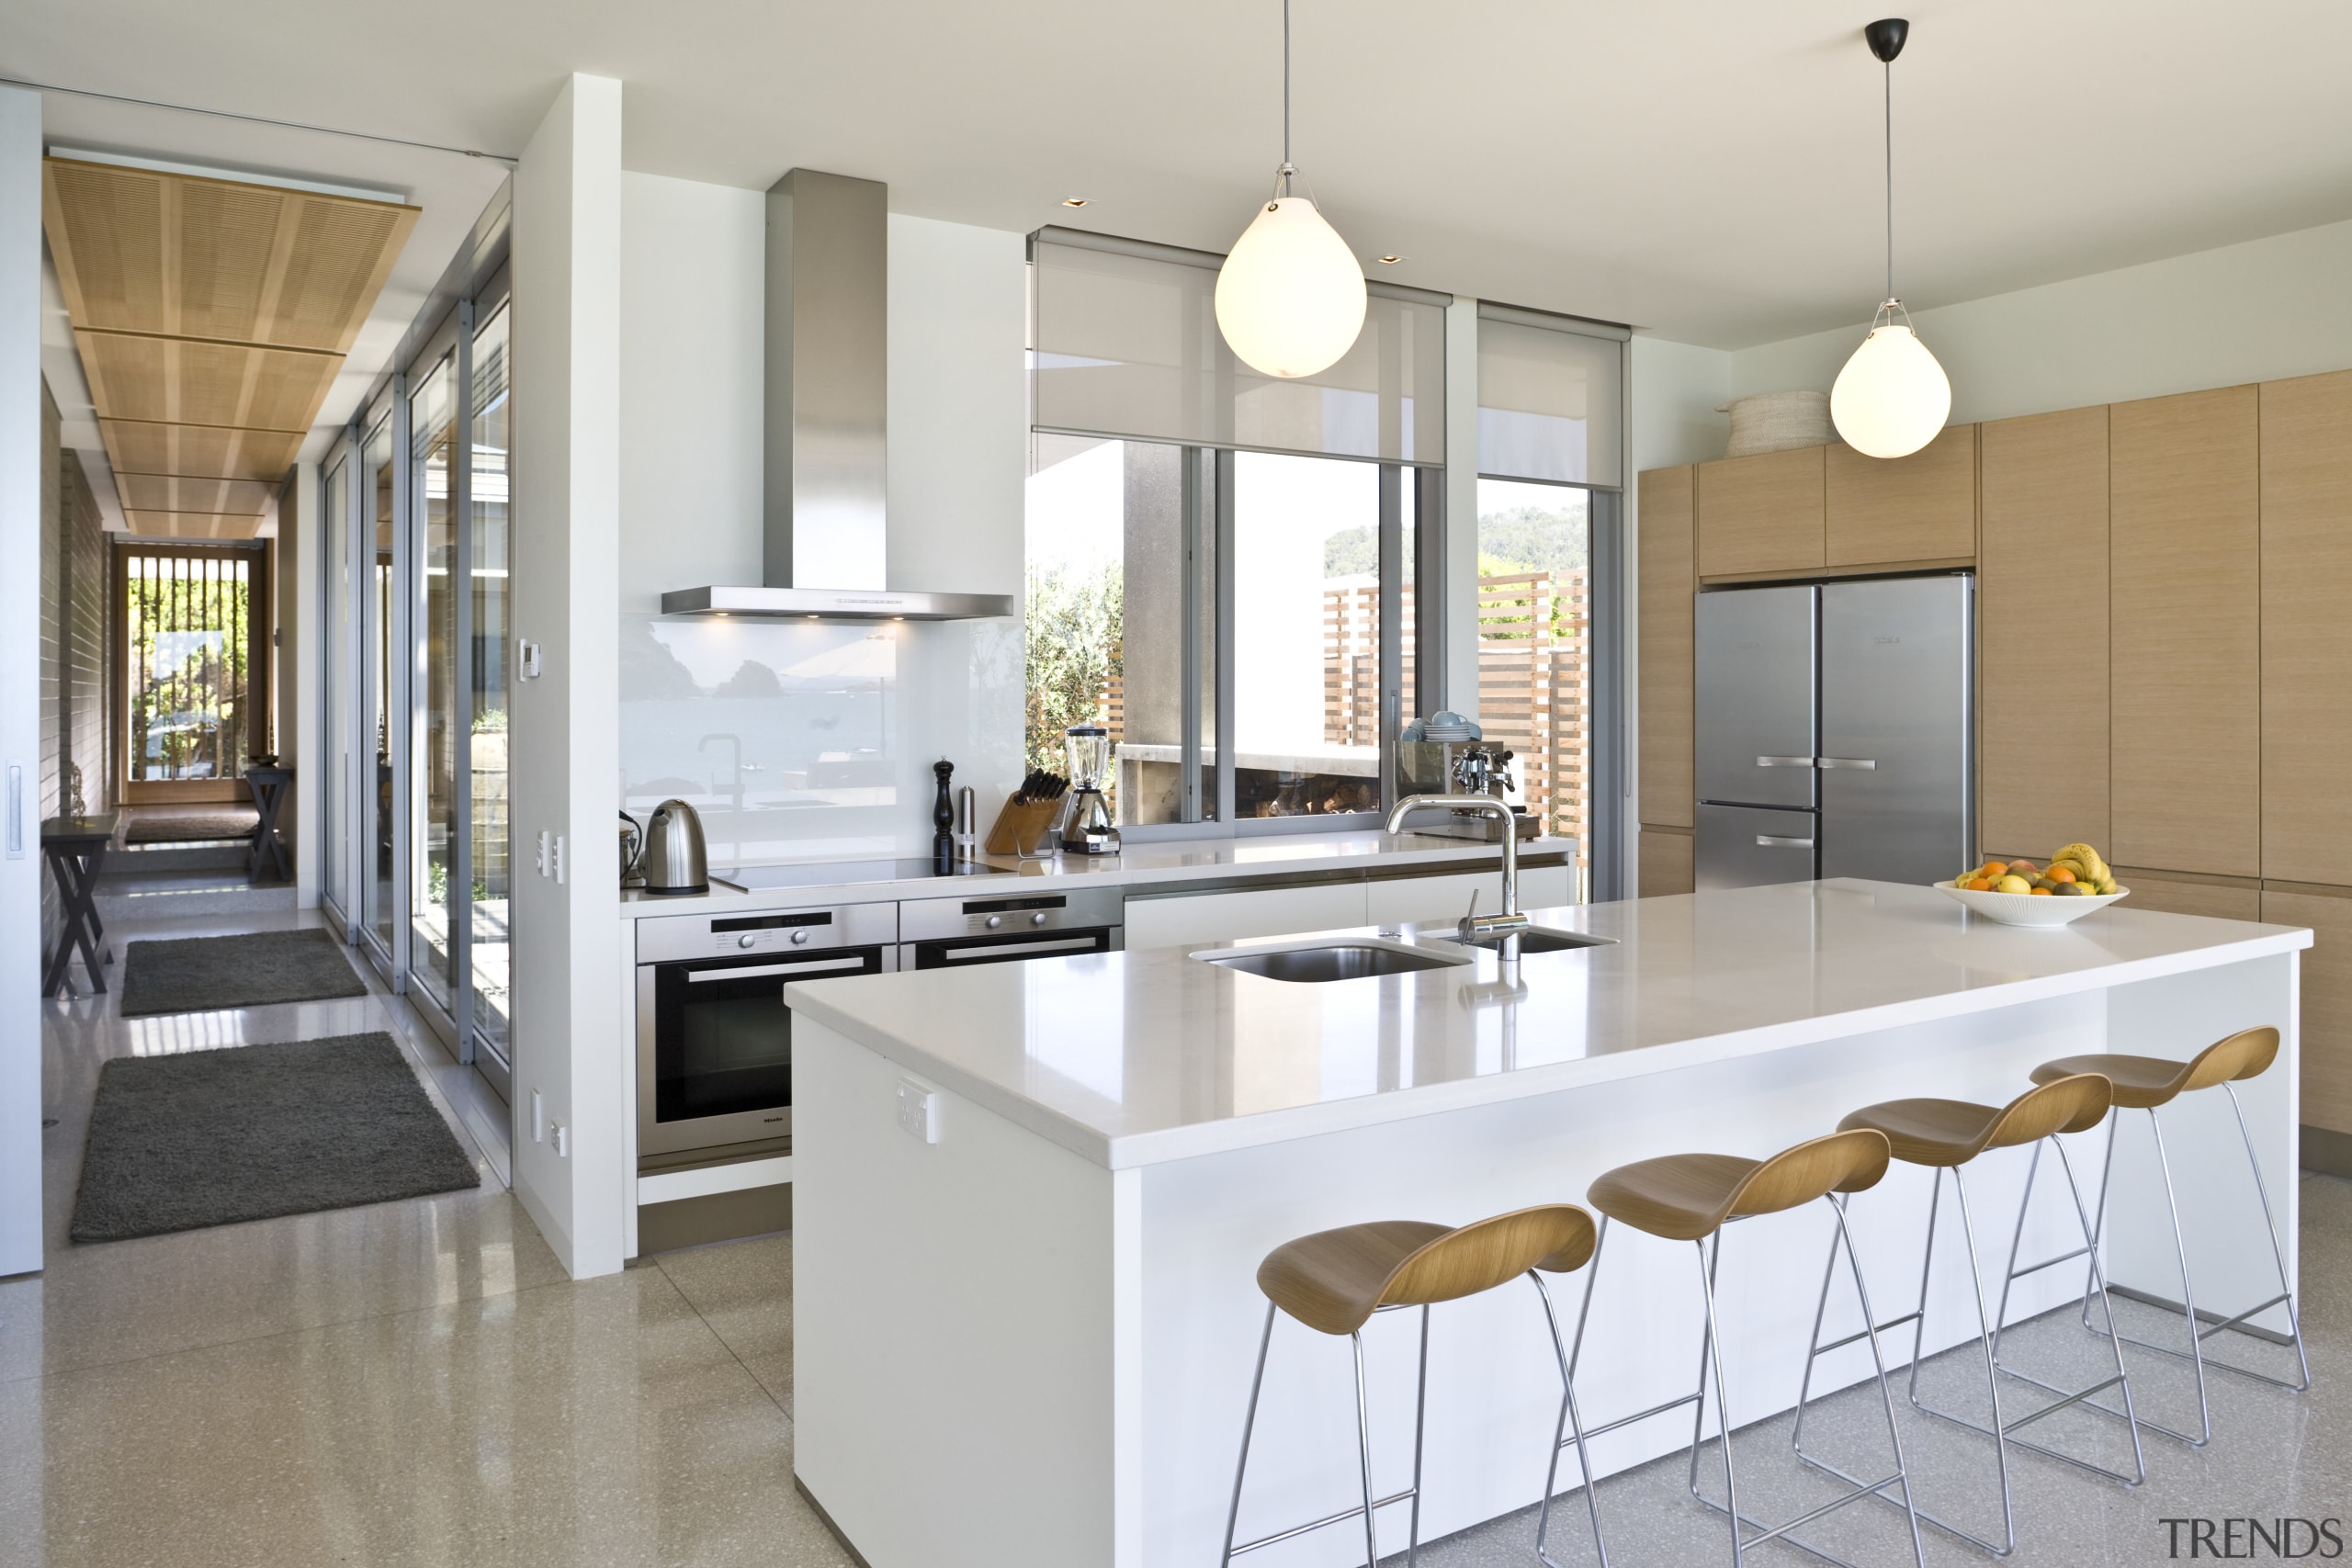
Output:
x=1915 y=509
x=2183 y=534
x=1765 y=514
x=2042 y=615
x=2183 y=895
x=1666 y=863
x=1668 y=584
x=2307 y=631
x=2326 y=1013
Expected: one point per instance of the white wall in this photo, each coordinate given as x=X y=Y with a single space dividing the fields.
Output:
x=567 y=546
x=2250 y=312
x=691 y=317
x=20 y=862
x=692 y=307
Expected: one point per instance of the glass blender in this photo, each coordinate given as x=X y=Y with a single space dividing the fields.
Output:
x=1086 y=829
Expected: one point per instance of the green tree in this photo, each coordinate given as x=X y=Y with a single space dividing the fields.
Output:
x=1072 y=623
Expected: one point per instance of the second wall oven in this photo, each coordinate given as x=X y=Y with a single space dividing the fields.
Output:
x=954 y=933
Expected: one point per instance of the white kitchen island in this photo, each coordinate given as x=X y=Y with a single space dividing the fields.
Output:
x=1029 y=1341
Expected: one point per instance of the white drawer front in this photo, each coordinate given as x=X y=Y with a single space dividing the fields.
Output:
x=1242 y=915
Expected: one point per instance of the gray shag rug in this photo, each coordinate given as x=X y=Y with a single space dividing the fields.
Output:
x=207 y=828
x=203 y=974
x=253 y=1131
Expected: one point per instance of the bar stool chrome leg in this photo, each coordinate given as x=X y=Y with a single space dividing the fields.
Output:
x=1335 y=1281
x=2146 y=1083
x=1917 y=1317
x=1570 y=1422
x=2198 y=1334
x=1692 y=1198
x=1711 y=1354
x=2089 y=1250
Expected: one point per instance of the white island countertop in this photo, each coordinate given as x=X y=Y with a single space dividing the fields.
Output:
x=1160 y=866
x=1133 y=1058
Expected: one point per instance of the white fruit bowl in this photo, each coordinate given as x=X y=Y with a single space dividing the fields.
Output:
x=2026 y=909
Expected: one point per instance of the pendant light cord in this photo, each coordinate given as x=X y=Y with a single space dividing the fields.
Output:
x=1285 y=85
x=1889 y=170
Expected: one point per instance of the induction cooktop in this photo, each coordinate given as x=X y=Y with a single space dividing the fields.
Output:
x=844 y=874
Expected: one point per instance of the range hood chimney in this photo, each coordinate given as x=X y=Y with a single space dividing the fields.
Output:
x=826 y=535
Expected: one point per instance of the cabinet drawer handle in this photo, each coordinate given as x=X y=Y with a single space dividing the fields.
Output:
x=1867 y=764
x=1784 y=761
x=1774 y=841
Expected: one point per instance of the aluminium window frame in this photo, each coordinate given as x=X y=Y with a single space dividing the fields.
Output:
x=1209 y=517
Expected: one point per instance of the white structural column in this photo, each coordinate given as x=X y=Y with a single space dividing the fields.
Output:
x=567 y=600
x=20 y=864
x=1461 y=507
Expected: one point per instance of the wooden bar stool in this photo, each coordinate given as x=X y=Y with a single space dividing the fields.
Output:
x=1946 y=1135
x=1333 y=1282
x=2143 y=1083
x=1692 y=1198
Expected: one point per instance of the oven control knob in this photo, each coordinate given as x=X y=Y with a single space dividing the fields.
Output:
x=995 y=920
x=746 y=940
x=1037 y=919
x=799 y=939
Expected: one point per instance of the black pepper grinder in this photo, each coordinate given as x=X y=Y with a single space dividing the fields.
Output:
x=943 y=818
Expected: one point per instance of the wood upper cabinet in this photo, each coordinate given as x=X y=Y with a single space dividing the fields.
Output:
x=2185 y=643
x=1885 y=511
x=1667 y=585
x=2042 y=615
x=1765 y=514
x=2326 y=1003
x=2307 y=635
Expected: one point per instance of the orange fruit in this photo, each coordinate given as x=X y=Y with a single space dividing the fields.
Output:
x=1997 y=868
x=1980 y=885
x=2042 y=892
x=2060 y=873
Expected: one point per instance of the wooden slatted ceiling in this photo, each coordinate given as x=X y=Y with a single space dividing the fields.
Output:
x=212 y=318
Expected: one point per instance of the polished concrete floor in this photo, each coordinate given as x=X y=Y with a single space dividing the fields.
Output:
x=407 y=1384
x=418 y=1383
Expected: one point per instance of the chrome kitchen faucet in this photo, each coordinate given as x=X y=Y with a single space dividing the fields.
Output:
x=1509 y=922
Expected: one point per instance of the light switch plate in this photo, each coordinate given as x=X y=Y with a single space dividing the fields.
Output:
x=919 y=1110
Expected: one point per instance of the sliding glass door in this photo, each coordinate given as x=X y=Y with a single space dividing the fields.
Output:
x=334 y=675
x=490 y=551
x=382 y=632
x=435 y=727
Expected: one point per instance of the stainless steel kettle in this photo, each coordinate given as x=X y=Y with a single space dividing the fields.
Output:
x=672 y=860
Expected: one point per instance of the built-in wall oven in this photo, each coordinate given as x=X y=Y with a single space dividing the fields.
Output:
x=714 y=1038
x=952 y=933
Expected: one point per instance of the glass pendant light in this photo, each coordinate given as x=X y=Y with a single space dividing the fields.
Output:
x=1290 y=297
x=1892 y=398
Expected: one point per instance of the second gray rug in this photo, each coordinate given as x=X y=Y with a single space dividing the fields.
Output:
x=254 y=1132
x=201 y=973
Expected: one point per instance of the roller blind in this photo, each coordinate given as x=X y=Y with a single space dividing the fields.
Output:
x=1124 y=343
x=1551 y=397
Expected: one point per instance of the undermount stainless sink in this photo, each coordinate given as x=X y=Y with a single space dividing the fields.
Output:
x=1542 y=939
x=1333 y=960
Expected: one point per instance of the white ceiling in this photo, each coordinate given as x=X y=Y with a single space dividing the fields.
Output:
x=1709 y=170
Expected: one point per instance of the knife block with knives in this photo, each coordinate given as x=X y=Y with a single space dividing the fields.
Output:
x=1025 y=828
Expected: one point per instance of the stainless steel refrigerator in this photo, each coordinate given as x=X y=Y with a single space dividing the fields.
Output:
x=1832 y=731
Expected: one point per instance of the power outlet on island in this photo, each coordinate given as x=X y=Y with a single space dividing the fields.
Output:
x=919 y=1110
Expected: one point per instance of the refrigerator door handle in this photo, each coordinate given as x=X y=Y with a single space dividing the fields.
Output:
x=1784 y=761
x=1774 y=841
x=1867 y=764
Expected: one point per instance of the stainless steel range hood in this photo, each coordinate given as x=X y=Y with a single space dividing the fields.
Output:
x=825 y=549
